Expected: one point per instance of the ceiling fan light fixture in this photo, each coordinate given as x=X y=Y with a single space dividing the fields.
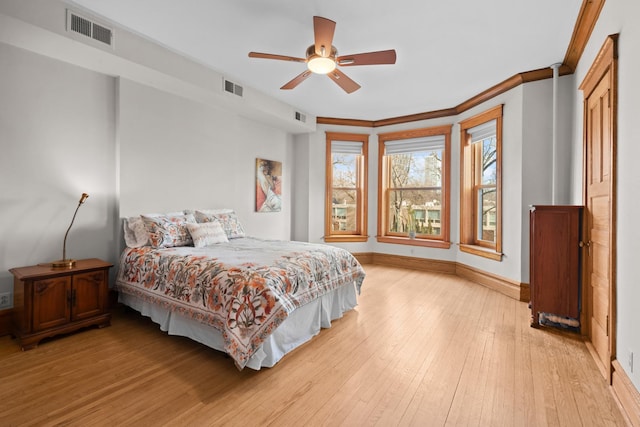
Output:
x=321 y=65
x=322 y=58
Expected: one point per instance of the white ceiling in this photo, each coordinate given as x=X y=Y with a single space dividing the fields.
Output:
x=447 y=50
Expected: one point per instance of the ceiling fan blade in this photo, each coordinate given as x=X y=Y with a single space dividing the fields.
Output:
x=297 y=80
x=272 y=56
x=343 y=81
x=323 y=29
x=369 y=58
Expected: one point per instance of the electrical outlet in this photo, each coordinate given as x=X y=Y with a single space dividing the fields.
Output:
x=5 y=300
x=631 y=361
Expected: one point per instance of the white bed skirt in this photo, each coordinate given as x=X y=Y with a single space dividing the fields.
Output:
x=299 y=327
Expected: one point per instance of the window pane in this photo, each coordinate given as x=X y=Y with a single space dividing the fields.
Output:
x=417 y=169
x=417 y=210
x=344 y=209
x=489 y=162
x=344 y=170
x=487 y=214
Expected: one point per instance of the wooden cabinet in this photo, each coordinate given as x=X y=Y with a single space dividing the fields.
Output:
x=554 y=261
x=49 y=301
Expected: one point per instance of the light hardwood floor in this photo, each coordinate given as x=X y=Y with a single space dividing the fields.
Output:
x=420 y=349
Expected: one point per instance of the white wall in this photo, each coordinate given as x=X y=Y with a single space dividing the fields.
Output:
x=58 y=140
x=179 y=154
x=623 y=17
x=70 y=123
x=300 y=188
x=537 y=159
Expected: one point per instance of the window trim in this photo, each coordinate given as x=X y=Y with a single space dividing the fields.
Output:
x=468 y=197
x=361 y=233
x=445 y=216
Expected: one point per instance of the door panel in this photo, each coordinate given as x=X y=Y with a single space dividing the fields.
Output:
x=88 y=298
x=599 y=150
x=50 y=302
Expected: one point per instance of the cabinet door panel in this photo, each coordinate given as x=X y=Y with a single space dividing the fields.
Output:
x=555 y=260
x=50 y=302
x=89 y=298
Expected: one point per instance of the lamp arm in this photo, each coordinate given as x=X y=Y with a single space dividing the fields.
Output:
x=83 y=198
x=64 y=243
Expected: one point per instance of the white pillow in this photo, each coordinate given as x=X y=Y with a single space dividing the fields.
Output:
x=135 y=233
x=209 y=211
x=207 y=233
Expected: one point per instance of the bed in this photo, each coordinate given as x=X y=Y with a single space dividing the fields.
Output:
x=254 y=299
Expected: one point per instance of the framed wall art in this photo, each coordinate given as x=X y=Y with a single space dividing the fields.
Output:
x=268 y=185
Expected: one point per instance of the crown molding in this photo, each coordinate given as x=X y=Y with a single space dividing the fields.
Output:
x=587 y=18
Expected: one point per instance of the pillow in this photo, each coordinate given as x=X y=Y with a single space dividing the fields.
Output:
x=207 y=233
x=168 y=231
x=135 y=233
x=228 y=219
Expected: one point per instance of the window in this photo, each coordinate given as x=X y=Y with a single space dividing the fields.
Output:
x=480 y=164
x=346 y=195
x=413 y=187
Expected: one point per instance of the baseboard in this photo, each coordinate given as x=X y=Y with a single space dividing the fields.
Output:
x=515 y=290
x=5 y=322
x=415 y=263
x=364 y=257
x=113 y=299
x=626 y=393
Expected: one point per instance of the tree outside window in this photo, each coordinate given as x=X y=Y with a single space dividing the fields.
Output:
x=480 y=195
x=486 y=189
x=415 y=193
x=344 y=192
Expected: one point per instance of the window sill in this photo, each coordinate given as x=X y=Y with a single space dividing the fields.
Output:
x=415 y=242
x=480 y=251
x=346 y=238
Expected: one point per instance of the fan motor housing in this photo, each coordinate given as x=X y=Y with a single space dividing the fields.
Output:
x=311 y=53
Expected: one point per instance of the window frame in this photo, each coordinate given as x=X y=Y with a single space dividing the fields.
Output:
x=383 y=186
x=361 y=233
x=471 y=182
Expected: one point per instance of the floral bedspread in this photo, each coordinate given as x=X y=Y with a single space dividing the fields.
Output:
x=244 y=288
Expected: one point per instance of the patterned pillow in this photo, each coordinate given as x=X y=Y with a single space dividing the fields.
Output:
x=229 y=221
x=207 y=233
x=168 y=231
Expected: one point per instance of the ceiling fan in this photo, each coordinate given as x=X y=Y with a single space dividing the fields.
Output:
x=322 y=58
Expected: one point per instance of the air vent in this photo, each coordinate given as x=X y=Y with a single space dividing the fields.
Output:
x=86 y=27
x=301 y=117
x=231 y=87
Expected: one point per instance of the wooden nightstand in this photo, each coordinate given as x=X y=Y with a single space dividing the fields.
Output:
x=49 y=301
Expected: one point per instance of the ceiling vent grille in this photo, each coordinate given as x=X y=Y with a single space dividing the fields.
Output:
x=301 y=117
x=231 y=87
x=81 y=25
